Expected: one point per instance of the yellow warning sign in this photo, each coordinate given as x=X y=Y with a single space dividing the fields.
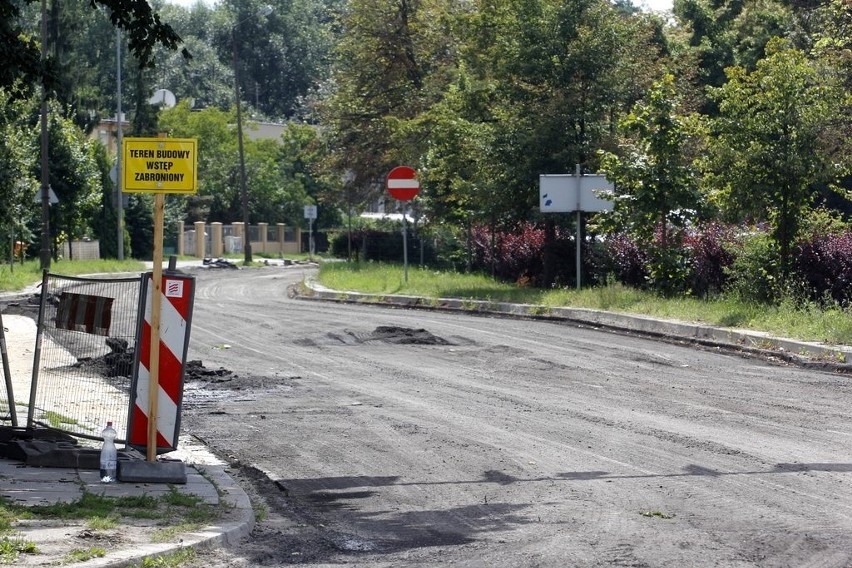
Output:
x=160 y=165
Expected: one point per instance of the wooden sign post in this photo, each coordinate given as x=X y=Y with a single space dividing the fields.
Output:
x=158 y=166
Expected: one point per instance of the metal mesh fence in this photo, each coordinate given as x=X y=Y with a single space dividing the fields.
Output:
x=84 y=354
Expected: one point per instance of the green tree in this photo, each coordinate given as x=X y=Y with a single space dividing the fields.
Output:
x=23 y=67
x=303 y=177
x=218 y=189
x=767 y=147
x=722 y=33
x=656 y=191
x=74 y=178
x=391 y=63
x=17 y=162
x=282 y=56
x=281 y=175
x=564 y=70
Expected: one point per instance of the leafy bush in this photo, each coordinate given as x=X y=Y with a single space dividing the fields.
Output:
x=511 y=255
x=824 y=265
x=754 y=274
x=382 y=246
x=697 y=266
x=626 y=261
x=711 y=254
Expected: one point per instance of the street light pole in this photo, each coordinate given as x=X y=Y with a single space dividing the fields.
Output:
x=243 y=189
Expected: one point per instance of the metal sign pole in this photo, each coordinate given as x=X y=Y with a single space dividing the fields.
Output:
x=311 y=238
x=405 y=242
x=579 y=213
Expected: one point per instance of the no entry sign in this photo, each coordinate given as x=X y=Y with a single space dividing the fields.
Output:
x=402 y=183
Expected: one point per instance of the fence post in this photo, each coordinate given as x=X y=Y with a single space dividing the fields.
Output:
x=240 y=231
x=263 y=229
x=217 y=242
x=180 y=243
x=280 y=229
x=200 y=239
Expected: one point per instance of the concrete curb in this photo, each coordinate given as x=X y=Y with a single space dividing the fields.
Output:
x=835 y=358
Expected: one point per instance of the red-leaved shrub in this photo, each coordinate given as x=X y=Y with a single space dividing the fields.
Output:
x=824 y=264
x=514 y=254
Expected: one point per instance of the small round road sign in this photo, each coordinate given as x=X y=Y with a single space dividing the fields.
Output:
x=402 y=183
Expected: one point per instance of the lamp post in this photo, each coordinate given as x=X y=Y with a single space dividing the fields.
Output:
x=263 y=11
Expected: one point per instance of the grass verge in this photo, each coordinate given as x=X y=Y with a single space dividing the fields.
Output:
x=175 y=513
x=18 y=276
x=806 y=322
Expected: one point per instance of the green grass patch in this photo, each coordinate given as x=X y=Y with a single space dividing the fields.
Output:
x=102 y=513
x=91 y=505
x=175 y=512
x=171 y=560
x=170 y=533
x=83 y=554
x=18 y=276
x=806 y=322
x=8 y=515
x=11 y=547
x=102 y=523
x=56 y=420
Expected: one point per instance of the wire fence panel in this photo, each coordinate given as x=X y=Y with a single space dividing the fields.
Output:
x=84 y=354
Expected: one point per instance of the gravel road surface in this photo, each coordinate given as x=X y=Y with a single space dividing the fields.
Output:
x=371 y=436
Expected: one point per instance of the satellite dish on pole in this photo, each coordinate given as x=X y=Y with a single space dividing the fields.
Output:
x=164 y=98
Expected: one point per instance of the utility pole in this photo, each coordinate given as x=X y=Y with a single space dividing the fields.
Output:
x=119 y=198
x=44 y=253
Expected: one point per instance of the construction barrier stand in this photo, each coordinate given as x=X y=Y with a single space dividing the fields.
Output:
x=178 y=294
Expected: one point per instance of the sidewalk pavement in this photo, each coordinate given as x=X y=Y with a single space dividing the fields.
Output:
x=128 y=543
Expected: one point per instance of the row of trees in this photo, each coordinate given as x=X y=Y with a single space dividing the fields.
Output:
x=736 y=110
x=724 y=109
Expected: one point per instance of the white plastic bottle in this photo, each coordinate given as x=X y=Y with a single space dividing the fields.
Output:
x=109 y=455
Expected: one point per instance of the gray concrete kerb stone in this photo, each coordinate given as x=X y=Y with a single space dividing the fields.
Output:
x=829 y=357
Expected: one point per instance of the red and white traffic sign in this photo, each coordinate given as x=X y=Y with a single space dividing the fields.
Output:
x=402 y=183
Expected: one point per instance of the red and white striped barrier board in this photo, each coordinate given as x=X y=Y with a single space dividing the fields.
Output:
x=82 y=312
x=178 y=292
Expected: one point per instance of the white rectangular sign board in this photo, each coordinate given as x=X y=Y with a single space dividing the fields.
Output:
x=564 y=193
x=310 y=211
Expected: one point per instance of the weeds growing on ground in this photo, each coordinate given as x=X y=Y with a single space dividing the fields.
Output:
x=176 y=512
x=83 y=554
x=11 y=547
x=102 y=513
x=171 y=560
